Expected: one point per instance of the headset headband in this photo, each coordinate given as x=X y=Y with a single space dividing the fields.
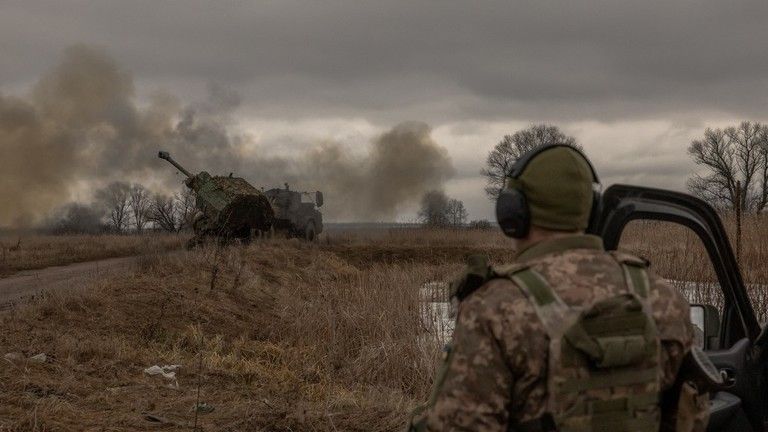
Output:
x=525 y=159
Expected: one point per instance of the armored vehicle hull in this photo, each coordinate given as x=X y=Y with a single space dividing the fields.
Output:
x=296 y=213
x=227 y=207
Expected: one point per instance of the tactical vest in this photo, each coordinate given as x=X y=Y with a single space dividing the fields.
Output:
x=604 y=358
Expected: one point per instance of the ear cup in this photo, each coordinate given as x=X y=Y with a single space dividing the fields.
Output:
x=595 y=212
x=513 y=214
x=512 y=211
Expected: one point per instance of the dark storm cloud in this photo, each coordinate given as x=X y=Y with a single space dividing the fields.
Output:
x=560 y=60
x=633 y=81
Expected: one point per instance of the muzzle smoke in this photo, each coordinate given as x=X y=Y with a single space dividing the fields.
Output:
x=81 y=127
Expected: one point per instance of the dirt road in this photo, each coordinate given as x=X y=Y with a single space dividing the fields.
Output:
x=28 y=283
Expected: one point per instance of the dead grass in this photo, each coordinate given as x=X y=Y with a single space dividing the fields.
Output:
x=292 y=336
x=30 y=251
x=424 y=237
x=676 y=253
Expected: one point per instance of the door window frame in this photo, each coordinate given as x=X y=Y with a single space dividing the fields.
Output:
x=622 y=204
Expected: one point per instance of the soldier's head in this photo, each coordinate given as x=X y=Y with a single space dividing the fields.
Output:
x=549 y=189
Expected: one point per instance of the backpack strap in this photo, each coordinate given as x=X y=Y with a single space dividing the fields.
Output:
x=554 y=314
x=635 y=273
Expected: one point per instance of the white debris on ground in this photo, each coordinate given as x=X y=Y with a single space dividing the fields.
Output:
x=14 y=356
x=17 y=356
x=39 y=358
x=168 y=371
x=438 y=314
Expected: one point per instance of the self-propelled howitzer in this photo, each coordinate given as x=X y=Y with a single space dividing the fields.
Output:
x=227 y=207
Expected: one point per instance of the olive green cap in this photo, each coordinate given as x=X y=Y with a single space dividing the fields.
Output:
x=558 y=185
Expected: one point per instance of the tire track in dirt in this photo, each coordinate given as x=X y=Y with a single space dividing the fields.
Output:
x=28 y=283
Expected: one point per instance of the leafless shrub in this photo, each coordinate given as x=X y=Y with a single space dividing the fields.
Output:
x=115 y=198
x=140 y=205
x=164 y=212
x=185 y=203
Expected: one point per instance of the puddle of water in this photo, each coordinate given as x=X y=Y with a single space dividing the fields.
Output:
x=438 y=315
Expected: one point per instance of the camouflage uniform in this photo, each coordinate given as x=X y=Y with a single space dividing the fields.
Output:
x=494 y=376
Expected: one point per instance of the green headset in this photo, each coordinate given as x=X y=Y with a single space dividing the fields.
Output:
x=512 y=211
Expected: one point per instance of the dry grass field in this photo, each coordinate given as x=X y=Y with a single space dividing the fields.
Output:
x=677 y=254
x=277 y=335
x=25 y=252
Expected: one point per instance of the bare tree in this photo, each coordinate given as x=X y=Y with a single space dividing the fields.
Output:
x=434 y=208
x=139 y=203
x=456 y=213
x=164 y=213
x=511 y=147
x=185 y=201
x=731 y=155
x=114 y=198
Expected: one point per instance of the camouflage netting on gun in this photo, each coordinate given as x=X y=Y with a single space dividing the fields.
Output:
x=235 y=185
x=248 y=211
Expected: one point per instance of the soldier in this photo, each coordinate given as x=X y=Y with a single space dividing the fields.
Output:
x=569 y=337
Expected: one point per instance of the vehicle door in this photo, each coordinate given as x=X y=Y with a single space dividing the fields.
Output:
x=732 y=339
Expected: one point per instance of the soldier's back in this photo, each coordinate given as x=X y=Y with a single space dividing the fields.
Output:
x=578 y=276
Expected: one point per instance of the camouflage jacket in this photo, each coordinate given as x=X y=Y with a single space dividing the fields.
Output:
x=495 y=373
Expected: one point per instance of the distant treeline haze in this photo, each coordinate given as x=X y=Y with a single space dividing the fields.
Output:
x=122 y=207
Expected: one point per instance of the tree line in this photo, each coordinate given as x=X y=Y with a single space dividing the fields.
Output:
x=734 y=161
x=438 y=210
x=122 y=207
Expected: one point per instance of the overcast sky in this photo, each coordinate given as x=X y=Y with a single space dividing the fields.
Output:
x=633 y=81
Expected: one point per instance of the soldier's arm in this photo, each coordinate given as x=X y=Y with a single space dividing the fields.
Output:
x=472 y=390
x=672 y=316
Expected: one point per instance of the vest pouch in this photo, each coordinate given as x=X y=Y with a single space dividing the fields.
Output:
x=620 y=350
x=612 y=333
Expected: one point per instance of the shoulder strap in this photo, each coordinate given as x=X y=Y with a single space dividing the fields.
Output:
x=637 y=279
x=635 y=273
x=550 y=308
x=531 y=282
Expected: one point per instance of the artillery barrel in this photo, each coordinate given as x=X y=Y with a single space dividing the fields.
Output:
x=165 y=155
